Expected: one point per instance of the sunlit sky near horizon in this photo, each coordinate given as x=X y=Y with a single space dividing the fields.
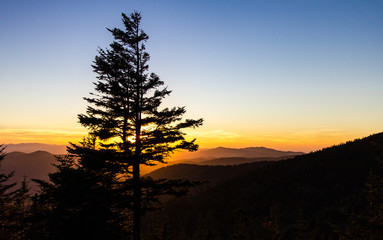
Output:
x=291 y=75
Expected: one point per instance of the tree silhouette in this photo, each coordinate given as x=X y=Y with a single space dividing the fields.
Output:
x=125 y=119
x=6 y=206
x=14 y=205
x=79 y=202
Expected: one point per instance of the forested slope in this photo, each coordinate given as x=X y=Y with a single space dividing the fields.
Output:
x=322 y=195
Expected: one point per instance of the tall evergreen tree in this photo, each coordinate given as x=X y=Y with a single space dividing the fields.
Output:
x=125 y=117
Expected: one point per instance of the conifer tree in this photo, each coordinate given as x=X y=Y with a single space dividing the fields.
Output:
x=78 y=202
x=125 y=117
x=14 y=205
x=7 y=210
x=21 y=206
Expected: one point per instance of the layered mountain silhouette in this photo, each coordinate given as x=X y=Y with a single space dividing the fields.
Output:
x=38 y=164
x=225 y=156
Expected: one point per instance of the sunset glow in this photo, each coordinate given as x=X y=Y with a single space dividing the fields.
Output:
x=290 y=76
x=61 y=137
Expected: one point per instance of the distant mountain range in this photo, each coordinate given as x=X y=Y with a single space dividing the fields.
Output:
x=225 y=156
x=223 y=152
x=35 y=159
x=38 y=164
x=230 y=160
x=33 y=147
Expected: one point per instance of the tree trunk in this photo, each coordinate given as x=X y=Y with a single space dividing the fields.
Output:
x=137 y=201
x=136 y=169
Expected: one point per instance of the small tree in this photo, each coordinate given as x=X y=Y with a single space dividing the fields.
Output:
x=124 y=115
x=79 y=202
x=6 y=207
x=14 y=205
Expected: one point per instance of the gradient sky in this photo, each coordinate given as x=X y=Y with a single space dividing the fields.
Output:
x=292 y=75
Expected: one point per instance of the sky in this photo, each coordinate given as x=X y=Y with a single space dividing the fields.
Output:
x=291 y=75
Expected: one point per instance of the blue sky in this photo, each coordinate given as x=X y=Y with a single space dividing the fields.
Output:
x=286 y=74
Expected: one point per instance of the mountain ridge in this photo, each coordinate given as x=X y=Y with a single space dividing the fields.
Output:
x=33 y=147
x=222 y=152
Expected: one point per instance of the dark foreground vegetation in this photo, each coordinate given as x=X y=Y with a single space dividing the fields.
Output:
x=335 y=193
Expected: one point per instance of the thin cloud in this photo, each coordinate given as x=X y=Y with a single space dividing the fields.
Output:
x=52 y=136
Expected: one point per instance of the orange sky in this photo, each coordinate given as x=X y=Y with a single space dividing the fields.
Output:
x=305 y=141
x=289 y=76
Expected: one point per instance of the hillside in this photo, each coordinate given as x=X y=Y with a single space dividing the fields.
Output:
x=33 y=165
x=38 y=164
x=212 y=174
x=314 y=195
x=240 y=160
x=225 y=156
